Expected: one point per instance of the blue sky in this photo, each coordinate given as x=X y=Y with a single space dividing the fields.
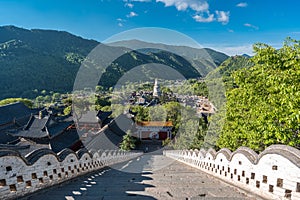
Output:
x=231 y=26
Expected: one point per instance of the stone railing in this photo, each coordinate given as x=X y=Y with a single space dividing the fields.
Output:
x=273 y=174
x=43 y=168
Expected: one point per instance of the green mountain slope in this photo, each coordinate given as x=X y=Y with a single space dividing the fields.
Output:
x=49 y=60
x=39 y=59
x=228 y=67
x=207 y=58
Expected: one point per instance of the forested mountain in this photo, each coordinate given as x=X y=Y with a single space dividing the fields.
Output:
x=232 y=64
x=36 y=60
x=39 y=59
x=184 y=51
x=229 y=66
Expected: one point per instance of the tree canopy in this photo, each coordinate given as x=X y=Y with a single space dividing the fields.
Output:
x=264 y=107
x=27 y=102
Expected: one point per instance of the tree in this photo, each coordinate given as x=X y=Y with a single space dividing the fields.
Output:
x=128 y=142
x=68 y=110
x=264 y=108
x=43 y=92
x=47 y=98
x=39 y=101
x=173 y=110
x=142 y=113
x=99 y=89
x=55 y=97
x=157 y=113
x=67 y=101
x=27 y=102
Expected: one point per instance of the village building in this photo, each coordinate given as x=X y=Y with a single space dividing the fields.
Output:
x=154 y=130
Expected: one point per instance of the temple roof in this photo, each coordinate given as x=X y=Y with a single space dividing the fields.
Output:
x=103 y=115
x=64 y=140
x=45 y=127
x=156 y=123
x=111 y=135
x=94 y=116
x=88 y=117
x=10 y=112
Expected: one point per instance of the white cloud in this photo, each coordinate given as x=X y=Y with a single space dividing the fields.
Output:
x=121 y=22
x=132 y=14
x=141 y=0
x=200 y=18
x=242 y=5
x=200 y=8
x=251 y=26
x=223 y=16
x=129 y=5
x=182 y=5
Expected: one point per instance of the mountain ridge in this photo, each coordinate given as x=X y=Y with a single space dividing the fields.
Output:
x=37 y=59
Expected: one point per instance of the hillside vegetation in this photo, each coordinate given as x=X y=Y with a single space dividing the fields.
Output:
x=36 y=60
x=264 y=106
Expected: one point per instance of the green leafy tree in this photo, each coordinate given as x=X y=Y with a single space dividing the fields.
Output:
x=142 y=113
x=157 y=113
x=128 y=142
x=39 y=101
x=173 y=110
x=67 y=110
x=47 y=98
x=27 y=102
x=264 y=108
x=43 y=92
x=55 y=97
x=67 y=101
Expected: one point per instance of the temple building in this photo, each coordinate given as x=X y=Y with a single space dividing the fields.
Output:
x=158 y=130
x=56 y=133
x=13 y=117
x=93 y=120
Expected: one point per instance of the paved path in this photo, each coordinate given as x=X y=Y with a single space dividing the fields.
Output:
x=159 y=177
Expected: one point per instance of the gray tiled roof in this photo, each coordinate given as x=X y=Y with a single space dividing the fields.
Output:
x=13 y=111
x=103 y=115
x=112 y=135
x=88 y=117
x=45 y=127
x=64 y=140
x=105 y=140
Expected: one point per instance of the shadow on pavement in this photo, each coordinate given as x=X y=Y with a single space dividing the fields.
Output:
x=107 y=183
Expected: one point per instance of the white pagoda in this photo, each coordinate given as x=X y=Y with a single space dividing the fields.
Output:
x=156 y=89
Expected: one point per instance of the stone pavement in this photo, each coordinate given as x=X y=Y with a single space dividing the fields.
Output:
x=155 y=177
